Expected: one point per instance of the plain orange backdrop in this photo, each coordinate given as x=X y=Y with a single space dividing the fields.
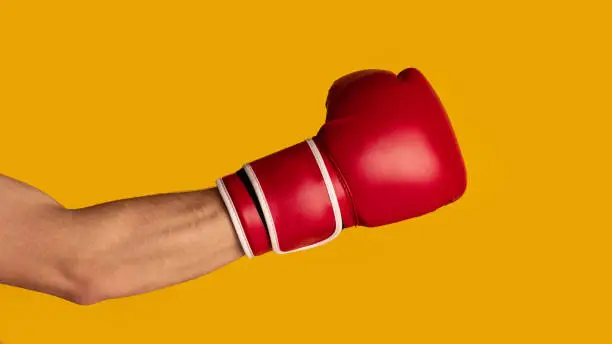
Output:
x=101 y=100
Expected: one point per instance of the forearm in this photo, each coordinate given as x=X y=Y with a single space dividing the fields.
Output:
x=138 y=245
x=115 y=249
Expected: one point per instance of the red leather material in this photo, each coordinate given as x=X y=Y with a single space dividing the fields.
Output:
x=390 y=152
x=297 y=196
x=352 y=87
x=250 y=219
x=394 y=144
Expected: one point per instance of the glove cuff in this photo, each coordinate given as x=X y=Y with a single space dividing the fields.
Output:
x=289 y=201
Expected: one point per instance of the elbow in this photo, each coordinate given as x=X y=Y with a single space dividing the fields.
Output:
x=84 y=298
x=84 y=295
x=71 y=282
x=84 y=285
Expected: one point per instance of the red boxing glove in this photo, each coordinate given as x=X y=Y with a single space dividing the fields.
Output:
x=386 y=153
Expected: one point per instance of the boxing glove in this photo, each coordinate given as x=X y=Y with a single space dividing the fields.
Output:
x=386 y=153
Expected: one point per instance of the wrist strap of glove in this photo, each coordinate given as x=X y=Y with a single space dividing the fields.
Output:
x=260 y=199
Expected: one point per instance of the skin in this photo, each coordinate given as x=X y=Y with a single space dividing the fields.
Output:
x=110 y=250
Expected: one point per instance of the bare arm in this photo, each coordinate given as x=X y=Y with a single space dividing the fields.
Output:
x=114 y=249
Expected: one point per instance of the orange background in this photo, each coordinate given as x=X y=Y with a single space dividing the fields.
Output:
x=101 y=100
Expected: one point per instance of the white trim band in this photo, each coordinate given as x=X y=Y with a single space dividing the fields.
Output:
x=268 y=214
x=231 y=209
